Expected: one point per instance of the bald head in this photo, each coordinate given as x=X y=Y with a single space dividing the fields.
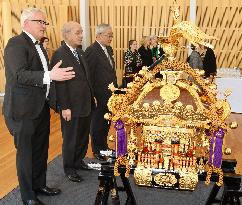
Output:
x=72 y=33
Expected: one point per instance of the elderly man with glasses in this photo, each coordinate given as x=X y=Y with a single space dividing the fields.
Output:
x=26 y=103
x=100 y=60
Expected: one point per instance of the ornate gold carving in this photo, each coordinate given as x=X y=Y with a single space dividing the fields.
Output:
x=188 y=181
x=185 y=29
x=143 y=176
x=119 y=162
x=169 y=92
x=165 y=179
x=178 y=127
x=215 y=170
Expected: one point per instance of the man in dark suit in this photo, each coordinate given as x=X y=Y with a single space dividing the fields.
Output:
x=101 y=63
x=26 y=103
x=75 y=99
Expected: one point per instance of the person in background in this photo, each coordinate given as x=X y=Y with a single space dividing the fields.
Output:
x=209 y=63
x=100 y=61
x=156 y=50
x=145 y=52
x=75 y=100
x=132 y=61
x=195 y=59
x=27 y=101
x=45 y=42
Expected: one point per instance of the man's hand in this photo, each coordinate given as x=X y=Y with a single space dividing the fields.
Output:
x=66 y=114
x=61 y=74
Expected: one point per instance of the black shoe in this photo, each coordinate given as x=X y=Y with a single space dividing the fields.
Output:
x=33 y=202
x=74 y=177
x=83 y=166
x=48 y=191
x=99 y=157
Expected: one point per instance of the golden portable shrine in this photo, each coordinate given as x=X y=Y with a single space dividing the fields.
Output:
x=169 y=120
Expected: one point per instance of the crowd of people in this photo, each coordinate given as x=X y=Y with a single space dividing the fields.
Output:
x=75 y=84
x=203 y=58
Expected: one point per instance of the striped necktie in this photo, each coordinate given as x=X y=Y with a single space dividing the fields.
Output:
x=76 y=55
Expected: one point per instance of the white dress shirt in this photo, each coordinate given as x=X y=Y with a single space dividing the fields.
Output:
x=46 y=79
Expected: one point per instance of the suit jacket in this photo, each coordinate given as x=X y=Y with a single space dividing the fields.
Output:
x=25 y=93
x=75 y=94
x=101 y=71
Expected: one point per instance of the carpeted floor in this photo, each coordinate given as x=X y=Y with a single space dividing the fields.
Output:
x=84 y=193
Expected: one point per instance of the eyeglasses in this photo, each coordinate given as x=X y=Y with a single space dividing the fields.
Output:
x=109 y=36
x=40 y=22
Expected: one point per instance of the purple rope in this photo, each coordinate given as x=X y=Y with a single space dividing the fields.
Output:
x=217 y=138
x=121 y=138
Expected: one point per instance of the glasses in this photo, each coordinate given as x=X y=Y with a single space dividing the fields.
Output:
x=40 y=22
x=109 y=36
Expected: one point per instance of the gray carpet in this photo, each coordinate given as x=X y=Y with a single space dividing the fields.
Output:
x=84 y=193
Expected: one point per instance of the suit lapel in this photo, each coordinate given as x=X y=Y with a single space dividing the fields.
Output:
x=70 y=54
x=34 y=49
x=102 y=53
x=82 y=60
x=74 y=60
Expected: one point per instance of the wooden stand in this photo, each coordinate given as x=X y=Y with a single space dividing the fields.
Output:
x=107 y=184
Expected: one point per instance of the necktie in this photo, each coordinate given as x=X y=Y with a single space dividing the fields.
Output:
x=76 y=55
x=108 y=56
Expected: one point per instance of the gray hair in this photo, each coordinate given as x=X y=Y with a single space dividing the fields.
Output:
x=27 y=13
x=101 y=28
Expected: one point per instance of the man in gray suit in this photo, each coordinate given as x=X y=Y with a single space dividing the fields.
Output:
x=101 y=64
x=26 y=103
x=75 y=100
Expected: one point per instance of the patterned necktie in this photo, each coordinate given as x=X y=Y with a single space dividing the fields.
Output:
x=108 y=56
x=76 y=55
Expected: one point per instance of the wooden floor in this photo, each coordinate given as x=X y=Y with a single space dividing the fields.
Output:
x=8 y=178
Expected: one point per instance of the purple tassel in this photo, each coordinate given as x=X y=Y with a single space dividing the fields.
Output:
x=215 y=155
x=121 y=141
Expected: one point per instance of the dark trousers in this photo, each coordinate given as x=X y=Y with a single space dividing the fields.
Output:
x=31 y=139
x=75 y=135
x=99 y=129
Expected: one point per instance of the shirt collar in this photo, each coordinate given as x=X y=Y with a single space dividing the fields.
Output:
x=71 y=48
x=30 y=36
x=103 y=47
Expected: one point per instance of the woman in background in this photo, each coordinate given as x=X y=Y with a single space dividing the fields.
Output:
x=145 y=52
x=156 y=50
x=132 y=62
x=195 y=59
x=45 y=42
